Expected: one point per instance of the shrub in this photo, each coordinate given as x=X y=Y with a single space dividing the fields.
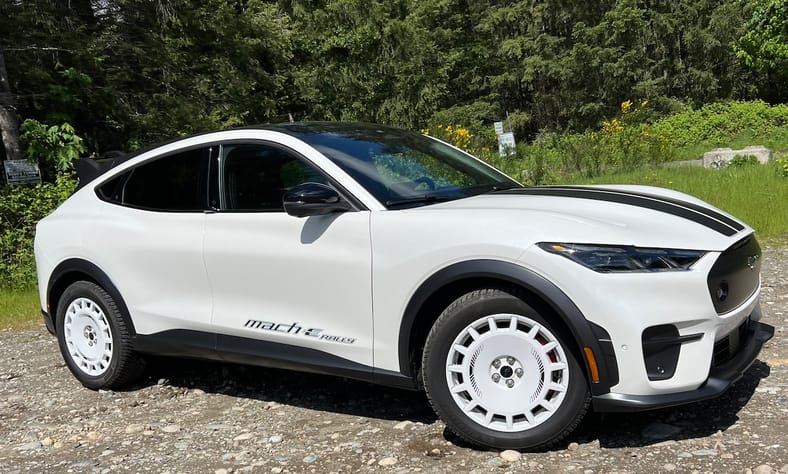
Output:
x=717 y=123
x=56 y=146
x=21 y=207
x=782 y=167
x=740 y=161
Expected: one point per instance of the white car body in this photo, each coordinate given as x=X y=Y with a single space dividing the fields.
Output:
x=195 y=280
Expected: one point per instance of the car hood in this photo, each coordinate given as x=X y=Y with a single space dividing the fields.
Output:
x=643 y=216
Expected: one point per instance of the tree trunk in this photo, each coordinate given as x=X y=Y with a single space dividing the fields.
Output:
x=9 y=124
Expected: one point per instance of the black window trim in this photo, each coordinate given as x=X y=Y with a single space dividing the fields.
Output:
x=212 y=148
x=356 y=204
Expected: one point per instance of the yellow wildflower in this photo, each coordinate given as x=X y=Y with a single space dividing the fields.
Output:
x=626 y=105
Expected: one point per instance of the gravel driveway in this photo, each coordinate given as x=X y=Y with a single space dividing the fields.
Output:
x=190 y=416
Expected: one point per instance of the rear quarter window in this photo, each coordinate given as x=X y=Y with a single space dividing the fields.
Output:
x=176 y=182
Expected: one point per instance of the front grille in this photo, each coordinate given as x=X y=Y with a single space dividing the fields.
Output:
x=726 y=348
x=735 y=275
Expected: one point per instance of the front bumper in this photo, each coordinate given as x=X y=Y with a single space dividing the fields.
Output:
x=720 y=379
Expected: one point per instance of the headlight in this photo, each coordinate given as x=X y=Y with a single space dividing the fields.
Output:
x=611 y=258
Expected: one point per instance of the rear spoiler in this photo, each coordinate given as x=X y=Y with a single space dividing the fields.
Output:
x=89 y=169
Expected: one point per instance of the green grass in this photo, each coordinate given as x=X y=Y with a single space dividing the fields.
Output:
x=756 y=194
x=19 y=309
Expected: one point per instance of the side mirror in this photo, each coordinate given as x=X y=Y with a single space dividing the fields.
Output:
x=313 y=199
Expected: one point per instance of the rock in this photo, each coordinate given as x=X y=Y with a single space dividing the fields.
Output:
x=46 y=442
x=763 y=469
x=669 y=467
x=402 y=425
x=171 y=428
x=220 y=471
x=658 y=431
x=720 y=157
x=93 y=436
x=510 y=455
x=705 y=452
x=572 y=446
x=131 y=429
x=58 y=445
x=244 y=437
x=80 y=464
x=389 y=461
x=276 y=470
x=30 y=446
x=310 y=458
x=198 y=391
x=275 y=439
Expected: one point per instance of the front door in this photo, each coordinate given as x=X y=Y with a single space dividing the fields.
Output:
x=286 y=287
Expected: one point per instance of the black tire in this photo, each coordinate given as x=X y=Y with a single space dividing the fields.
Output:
x=463 y=313
x=124 y=364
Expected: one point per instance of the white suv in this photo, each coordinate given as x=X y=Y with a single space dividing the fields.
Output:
x=384 y=255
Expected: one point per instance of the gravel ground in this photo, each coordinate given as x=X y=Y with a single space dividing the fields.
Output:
x=190 y=416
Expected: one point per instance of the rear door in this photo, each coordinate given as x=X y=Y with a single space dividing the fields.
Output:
x=150 y=240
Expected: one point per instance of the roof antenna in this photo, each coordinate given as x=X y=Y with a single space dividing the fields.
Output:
x=291 y=117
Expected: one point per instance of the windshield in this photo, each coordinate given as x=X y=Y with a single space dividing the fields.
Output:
x=401 y=168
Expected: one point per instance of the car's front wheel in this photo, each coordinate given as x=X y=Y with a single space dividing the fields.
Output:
x=501 y=375
x=94 y=337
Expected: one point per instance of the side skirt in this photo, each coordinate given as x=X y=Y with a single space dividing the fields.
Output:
x=241 y=350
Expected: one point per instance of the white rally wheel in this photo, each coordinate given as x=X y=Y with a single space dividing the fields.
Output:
x=500 y=374
x=507 y=372
x=95 y=337
x=88 y=336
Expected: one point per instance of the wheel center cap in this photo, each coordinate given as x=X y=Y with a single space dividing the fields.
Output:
x=506 y=371
x=90 y=335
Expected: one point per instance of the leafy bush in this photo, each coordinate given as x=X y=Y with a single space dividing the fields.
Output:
x=782 y=167
x=629 y=141
x=21 y=207
x=57 y=146
x=717 y=123
x=623 y=143
x=740 y=161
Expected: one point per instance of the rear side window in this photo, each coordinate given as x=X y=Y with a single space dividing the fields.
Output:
x=176 y=182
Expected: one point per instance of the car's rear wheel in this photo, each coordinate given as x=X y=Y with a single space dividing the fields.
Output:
x=500 y=374
x=94 y=337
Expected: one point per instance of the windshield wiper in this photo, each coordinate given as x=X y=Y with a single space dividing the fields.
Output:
x=487 y=188
x=425 y=199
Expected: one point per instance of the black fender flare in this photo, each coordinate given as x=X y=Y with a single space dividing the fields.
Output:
x=584 y=333
x=93 y=272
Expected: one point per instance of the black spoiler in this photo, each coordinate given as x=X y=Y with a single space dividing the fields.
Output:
x=89 y=169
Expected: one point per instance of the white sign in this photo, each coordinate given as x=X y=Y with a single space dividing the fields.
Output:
x=498 y=127
x=506 y=144
x=21 y=172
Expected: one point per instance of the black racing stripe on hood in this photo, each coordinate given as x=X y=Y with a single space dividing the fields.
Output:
x=673 y=207
x=703 y=210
